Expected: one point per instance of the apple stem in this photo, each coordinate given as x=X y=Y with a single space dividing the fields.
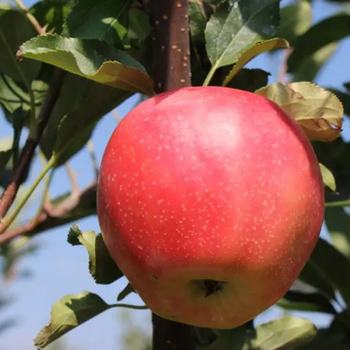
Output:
x=171 y=61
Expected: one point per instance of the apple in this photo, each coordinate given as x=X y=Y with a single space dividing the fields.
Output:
x=210 y=200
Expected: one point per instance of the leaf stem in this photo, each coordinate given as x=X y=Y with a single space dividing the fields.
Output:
x=8 y=220
x=210 y=75
x=128 y=306
x=45 y=190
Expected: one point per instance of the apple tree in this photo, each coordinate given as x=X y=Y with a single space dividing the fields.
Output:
x=66 y=64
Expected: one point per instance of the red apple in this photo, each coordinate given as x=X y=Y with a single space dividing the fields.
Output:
x=210 y=200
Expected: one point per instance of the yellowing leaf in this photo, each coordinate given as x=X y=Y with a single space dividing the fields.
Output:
x=255 y=50
x=327 y=177
x=318 y=111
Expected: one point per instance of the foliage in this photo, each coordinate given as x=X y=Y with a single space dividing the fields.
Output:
x=104 y=46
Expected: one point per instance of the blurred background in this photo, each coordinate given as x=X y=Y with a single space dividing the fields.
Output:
x=52 y=268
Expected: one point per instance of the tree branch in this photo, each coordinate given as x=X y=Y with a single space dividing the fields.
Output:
x=33 y=140
x=73 y=207
x=171 y=43
x=171 y=60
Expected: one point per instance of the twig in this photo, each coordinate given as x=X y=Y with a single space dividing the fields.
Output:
x=117 y=117
x=72 y=178
x=72 y=208
x=283 y=69
x=30 y=17
x=91 y=149
x=33 y=140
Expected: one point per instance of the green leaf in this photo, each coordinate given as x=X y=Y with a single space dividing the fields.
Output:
x=139 y=25
x=105 y=20
x=237 y=25
x=6 y=172
x=68 y=313
x=284 y=333
x=75 y=95
x=314 y=302
x=327 y=339
x=295 y=20
x=125 y=292
x=91 y=59
x=233 y=339
x=318 y=111
x=102 y=267
x=198 y=22
x=51 y=14
x=14 y=30
x=4 y=7
x=327 y=177
x=311 y=65
x=15 y=98
x=312 y=276
x=249 y=79
x=321 y=34
x=75 y=128
x=338 y=224
x=334 y=266
x=5 y=152
x=254 y=51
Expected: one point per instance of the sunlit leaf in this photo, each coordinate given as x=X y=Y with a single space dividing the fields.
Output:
x=68 y=313
x=91 y=59
x=328 y=178
x=318 y=111
x=102 y=267
x=284 y=333
x=254 y=51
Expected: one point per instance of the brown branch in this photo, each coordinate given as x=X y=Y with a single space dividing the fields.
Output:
x=283 y=69
x=75 y=206
x=171 y=43
x=72 y=178
x=32 y=142
x=171 y=60
x=91 y=149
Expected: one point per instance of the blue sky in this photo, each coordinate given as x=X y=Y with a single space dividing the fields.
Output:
x=59 y=269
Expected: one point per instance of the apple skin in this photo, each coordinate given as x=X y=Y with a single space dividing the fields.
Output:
x=210 y=184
